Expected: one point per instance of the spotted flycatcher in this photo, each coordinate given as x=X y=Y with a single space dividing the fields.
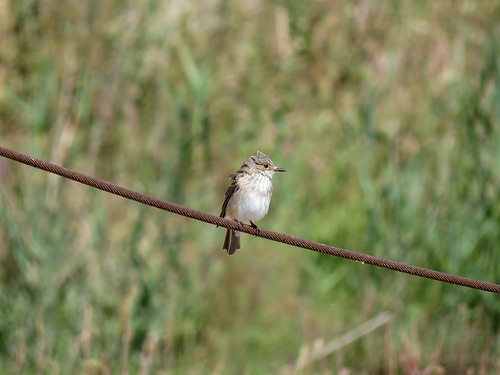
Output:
x=248 y=196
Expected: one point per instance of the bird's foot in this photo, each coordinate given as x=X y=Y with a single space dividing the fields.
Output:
x=254 y=226
x=239 y=223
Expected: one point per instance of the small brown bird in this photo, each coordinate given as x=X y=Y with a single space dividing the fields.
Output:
x=248 y=196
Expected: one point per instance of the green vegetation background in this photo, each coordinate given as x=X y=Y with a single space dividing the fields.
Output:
x=386 y=116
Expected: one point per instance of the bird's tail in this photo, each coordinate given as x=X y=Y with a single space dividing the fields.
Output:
x=232 y=242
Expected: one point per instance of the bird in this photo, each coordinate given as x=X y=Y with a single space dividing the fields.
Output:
x=248 y=196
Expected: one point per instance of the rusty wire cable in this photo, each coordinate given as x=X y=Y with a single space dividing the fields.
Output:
x=230 y=224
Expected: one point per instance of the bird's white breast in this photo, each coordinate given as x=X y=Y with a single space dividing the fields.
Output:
x=251 y=201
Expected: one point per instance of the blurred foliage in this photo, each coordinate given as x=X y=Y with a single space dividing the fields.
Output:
x=385 y=114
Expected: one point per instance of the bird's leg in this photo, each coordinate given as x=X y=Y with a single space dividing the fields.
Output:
x=254 y=226
x=239 y=223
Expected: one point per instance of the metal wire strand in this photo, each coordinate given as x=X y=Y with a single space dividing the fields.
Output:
x=230 y=224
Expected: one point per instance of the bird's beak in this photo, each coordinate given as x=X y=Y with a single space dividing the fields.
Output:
x=276 y=169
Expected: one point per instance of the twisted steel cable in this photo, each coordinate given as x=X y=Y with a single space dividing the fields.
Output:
x=230 y=224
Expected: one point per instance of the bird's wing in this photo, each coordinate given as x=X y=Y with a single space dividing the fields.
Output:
x=229 y=193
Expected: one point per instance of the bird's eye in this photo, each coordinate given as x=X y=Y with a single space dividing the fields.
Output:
x=266 y=165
